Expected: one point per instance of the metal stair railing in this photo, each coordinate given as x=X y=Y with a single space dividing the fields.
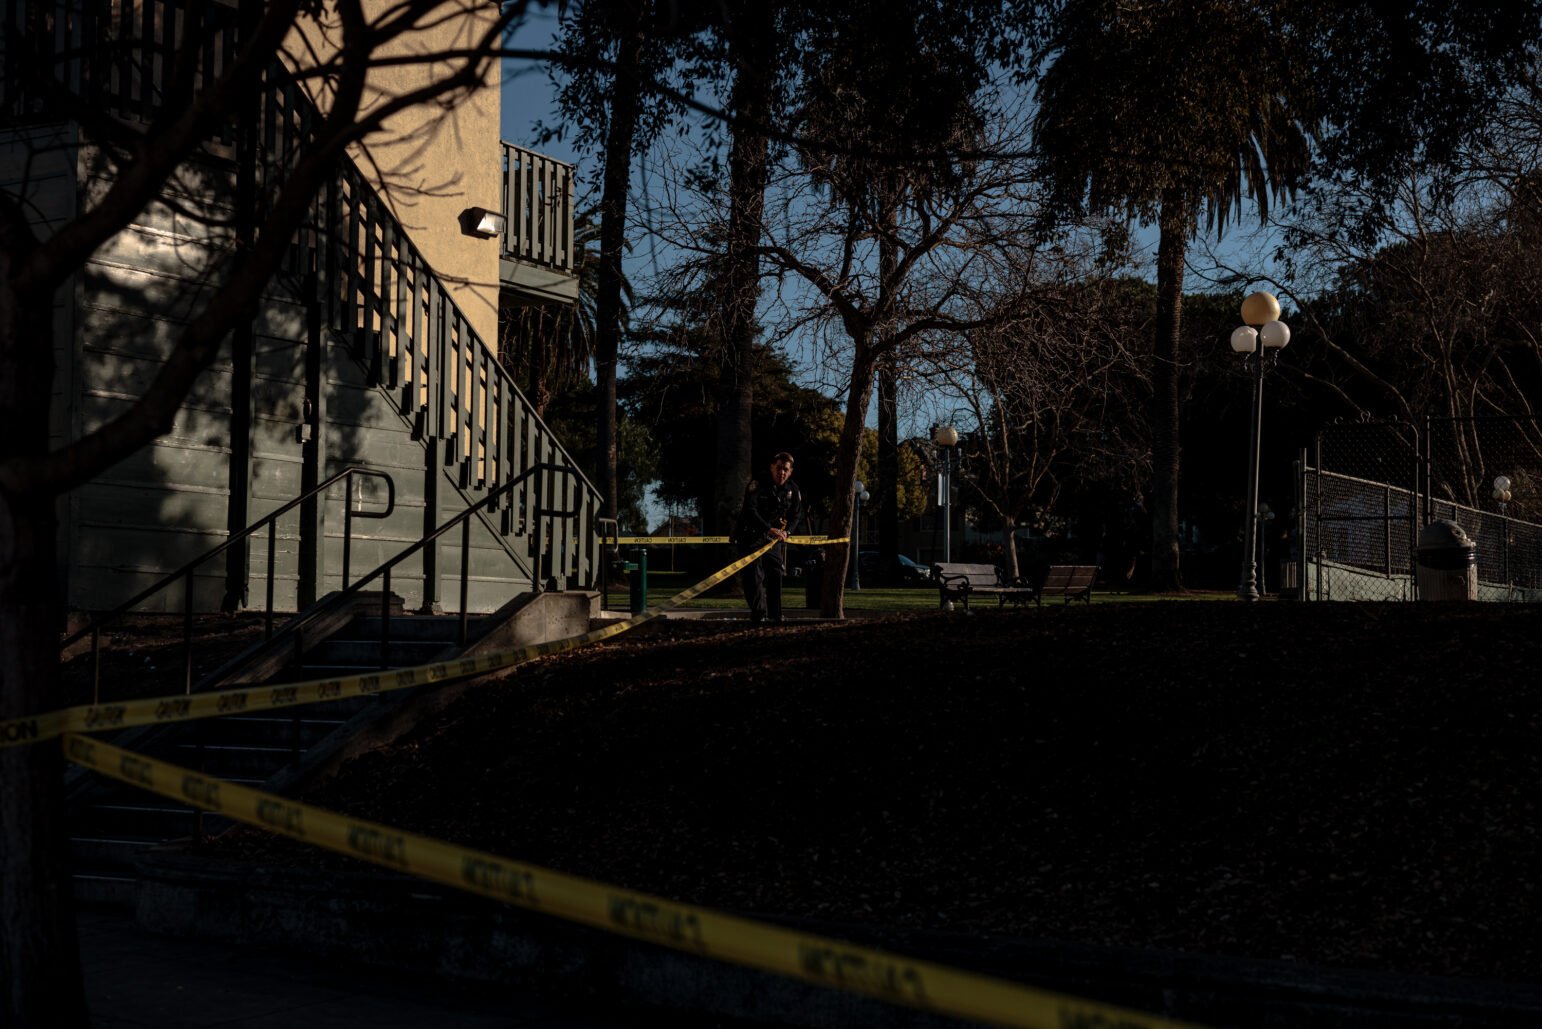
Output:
x=403 y=326
x=538 y=512
x=96 y=625
x=380 y=295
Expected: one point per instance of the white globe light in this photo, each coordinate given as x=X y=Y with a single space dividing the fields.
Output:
x=859 y=487
x=1274 y=335
x=1501 y=483
x=1499 y=494
x=945 y=436
x=1244 y=340
x=1260 y=308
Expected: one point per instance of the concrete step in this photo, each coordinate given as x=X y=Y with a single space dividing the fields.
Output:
x=444 y=628
x=227 y=760
x=128 y=818
x=111 y=834
x=108 y=853
x=120 y=891
x=365 y=653
x=280 y=727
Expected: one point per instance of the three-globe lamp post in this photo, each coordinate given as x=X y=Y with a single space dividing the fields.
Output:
x=1261 y=330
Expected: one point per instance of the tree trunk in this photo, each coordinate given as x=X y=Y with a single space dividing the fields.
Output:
x=1175 y=225
x=888 y=425
x=625 y=100
x=888 y=465
x=41 y=966
x=859 y=395
x=751 y=51
x=704 y=501
x=1009 y=543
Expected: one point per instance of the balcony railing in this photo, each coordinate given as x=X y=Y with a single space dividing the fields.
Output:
x=538 y=209
x=538 y=224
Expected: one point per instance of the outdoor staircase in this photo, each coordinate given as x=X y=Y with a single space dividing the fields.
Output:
x=355 y=270
x=117 y=824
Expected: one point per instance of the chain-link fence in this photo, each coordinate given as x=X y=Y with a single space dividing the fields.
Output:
x=1485 y=474
x=1358 y=513
x=1366 y=489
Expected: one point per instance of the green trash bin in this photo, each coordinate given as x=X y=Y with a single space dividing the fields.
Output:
x=637 y=568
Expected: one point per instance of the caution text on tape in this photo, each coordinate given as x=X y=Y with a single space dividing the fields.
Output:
x=190 y=707
x=819 y=959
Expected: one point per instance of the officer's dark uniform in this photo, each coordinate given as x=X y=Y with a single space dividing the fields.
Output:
x=766 y=507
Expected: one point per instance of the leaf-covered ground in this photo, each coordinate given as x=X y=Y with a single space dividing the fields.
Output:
x=1348 y=785
x=146 y=656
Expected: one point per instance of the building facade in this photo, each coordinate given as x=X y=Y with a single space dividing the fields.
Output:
x=371 y=349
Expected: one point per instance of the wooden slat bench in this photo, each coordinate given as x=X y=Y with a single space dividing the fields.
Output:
x=1073 y=582
x=962 y=581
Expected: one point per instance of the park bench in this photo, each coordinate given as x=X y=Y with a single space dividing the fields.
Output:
x=1073 y=582
x=962 y=581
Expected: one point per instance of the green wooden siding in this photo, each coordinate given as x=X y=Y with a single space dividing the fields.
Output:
x=167 y=503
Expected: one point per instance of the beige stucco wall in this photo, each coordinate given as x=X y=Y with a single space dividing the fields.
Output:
x=432 y=161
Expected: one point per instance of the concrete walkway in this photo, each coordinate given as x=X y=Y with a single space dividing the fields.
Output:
x=135 y=978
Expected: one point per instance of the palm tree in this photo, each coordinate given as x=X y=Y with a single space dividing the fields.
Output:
x=1167 y=111
x=549 y=346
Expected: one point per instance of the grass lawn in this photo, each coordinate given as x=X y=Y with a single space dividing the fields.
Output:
x=664 y=585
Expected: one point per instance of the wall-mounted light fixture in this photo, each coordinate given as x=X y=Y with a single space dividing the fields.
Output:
x=480 y=222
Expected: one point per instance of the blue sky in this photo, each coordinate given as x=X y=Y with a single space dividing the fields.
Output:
x=527 y=90
x=528 y=97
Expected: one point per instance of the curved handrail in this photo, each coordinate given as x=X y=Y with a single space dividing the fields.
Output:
x=94 y=627
x=463 y=519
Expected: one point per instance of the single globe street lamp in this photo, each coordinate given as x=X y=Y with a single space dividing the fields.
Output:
x=1503 y=495
x=1502 y=492
x=946 y=438
x=1261 y=330
x=853 y=574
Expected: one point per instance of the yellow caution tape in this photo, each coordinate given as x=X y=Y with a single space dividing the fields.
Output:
x=817 y=959
x=800 y=540
x=189 y=707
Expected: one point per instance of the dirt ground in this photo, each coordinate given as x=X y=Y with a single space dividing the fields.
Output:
x=1347 y=785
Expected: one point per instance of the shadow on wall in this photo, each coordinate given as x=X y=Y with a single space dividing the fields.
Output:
x=168 y=503
x=165 y=503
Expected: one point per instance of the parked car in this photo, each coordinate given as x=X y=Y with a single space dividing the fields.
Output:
x=910 y=573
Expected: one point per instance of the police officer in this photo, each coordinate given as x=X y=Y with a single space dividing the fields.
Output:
x=772 y=508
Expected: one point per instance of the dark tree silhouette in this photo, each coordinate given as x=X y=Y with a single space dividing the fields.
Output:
x=1170 y=112
x=758 y=43
x=549 y=347
x=615 y=55
x=39 y=970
